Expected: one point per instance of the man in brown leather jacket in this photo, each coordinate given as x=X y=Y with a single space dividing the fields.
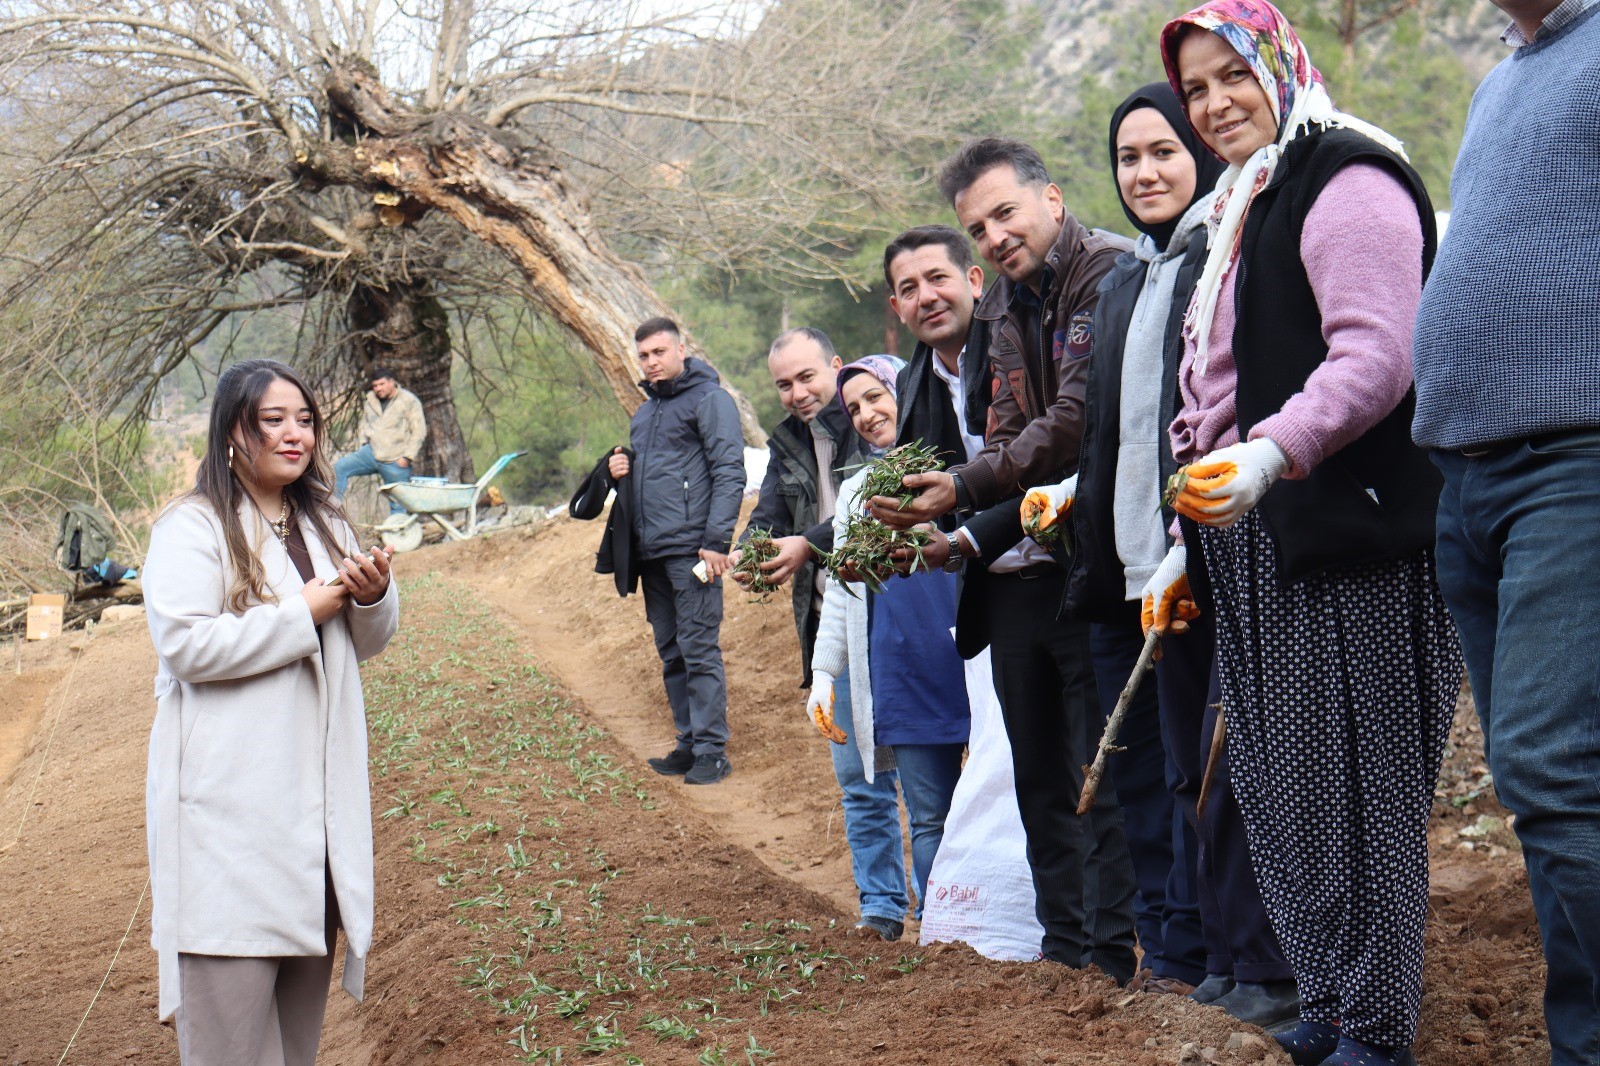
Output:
x=1040 y=312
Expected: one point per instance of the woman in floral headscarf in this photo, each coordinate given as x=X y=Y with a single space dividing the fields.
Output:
x=1315 y=512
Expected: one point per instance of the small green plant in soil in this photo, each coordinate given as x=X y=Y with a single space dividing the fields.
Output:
x=508 y=797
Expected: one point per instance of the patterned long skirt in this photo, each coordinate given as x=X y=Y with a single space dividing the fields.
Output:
x=1339 y=692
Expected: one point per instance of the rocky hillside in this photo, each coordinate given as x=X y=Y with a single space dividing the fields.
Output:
x=1102 y=36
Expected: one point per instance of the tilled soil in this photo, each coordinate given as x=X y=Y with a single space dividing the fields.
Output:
x=539 y=891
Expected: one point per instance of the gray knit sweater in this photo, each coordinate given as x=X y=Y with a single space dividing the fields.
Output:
x=1508 y=332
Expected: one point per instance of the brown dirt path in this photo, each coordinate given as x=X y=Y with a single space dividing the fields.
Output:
x=1485 y=972
x=71 y=882
x=781 y=801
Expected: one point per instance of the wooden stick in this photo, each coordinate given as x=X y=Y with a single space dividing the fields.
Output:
x=1108 y=739
x=1219 y=737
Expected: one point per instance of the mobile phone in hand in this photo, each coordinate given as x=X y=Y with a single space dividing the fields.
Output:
x=338 y=579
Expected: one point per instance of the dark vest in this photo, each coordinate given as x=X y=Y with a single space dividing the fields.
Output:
x=1374 y=499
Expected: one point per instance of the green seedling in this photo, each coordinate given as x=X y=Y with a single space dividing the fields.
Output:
x=886 y=476
x=757 y=548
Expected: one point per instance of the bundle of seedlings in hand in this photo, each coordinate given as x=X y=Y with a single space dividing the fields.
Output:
x=757 y=548
x=885 y=477
x=1175 y=486
x=867 y=554
x=1044 y=515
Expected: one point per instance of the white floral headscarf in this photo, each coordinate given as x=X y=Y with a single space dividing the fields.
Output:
x=1278 y=58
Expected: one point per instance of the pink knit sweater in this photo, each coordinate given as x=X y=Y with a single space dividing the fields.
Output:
x=1362 y=249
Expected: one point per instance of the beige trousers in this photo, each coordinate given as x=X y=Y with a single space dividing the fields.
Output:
x=254 y=1011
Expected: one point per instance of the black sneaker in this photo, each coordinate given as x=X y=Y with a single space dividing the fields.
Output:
x=879 y=927
x=674 y=763
x=708 y=770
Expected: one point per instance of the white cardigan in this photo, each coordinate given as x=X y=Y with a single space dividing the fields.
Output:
x=842 y=639
x=258 y=756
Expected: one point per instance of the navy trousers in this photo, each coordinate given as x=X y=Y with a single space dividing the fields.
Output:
x=1238 y=935
x=1162 y=845
x=1519 y=565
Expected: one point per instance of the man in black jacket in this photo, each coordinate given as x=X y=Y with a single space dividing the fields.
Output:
x=1038 y=314
x=809 y=452
x=944 y=389
x=796 y=504
x=685 y=479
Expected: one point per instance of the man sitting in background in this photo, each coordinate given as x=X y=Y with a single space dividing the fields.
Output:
x=391 y=433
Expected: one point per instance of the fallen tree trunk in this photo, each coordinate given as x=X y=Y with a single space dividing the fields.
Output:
x=511 y=198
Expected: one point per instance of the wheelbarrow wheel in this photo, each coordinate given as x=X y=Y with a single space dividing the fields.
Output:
x=404 y=539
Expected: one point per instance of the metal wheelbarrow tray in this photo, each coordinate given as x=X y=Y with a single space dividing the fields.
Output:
x=435 y=498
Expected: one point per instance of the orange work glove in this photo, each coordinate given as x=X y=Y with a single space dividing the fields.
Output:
x=1168 y=605
x=820 y=706
x=1219 y=489
x=1045 y=509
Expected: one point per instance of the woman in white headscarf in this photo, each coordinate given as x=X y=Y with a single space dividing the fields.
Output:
x=1338 y=661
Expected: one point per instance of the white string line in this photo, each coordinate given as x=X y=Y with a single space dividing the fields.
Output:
x=44 y=757
x=137 y=907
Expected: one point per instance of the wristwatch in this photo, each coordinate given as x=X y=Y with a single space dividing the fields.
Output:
x=956 y=561
x=963 y=498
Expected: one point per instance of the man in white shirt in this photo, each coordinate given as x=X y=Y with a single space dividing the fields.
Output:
x=1083 y=881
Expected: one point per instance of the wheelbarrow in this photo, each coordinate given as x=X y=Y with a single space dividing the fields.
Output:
x=434 y=498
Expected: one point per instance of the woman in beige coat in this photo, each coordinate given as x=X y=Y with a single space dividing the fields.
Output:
x=259 y=821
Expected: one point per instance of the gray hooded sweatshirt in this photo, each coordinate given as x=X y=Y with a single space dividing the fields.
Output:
x=1140 y=534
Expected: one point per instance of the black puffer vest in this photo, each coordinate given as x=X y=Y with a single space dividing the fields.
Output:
x=1374 y=499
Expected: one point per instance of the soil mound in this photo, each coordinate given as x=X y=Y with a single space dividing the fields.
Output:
x=543 y=898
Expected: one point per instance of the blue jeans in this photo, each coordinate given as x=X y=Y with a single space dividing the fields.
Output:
x=928 y=776
x=871 y=820
x=361 y=462
x=1519 y=565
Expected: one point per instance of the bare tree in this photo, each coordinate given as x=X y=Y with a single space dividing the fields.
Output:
x=391 y=167
x=1357 y=18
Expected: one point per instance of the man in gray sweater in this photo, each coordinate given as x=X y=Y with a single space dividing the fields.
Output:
x=1508 y=399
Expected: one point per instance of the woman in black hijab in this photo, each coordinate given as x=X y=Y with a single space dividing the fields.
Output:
x=1153 y=220
x=1199 y=916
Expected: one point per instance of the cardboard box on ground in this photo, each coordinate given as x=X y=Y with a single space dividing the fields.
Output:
x=45 y=612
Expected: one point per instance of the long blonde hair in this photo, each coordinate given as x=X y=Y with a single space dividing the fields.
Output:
x=238 y=398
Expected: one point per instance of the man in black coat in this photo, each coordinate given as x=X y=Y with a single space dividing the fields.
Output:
x=809 y=454
x=685 y=478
